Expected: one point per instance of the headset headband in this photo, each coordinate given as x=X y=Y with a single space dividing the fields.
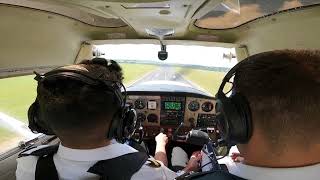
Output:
x=113 y=86
x=227 y=77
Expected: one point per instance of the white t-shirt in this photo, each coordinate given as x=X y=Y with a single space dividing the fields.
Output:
x=73 y=164
x=262 y=173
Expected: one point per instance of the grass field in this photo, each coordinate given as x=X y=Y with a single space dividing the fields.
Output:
x=17 y=93
x=133 y=72
x=208 y=80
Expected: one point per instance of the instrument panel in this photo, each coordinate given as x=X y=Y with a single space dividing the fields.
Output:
x=167 y=112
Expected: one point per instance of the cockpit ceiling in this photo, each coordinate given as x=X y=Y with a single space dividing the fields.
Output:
x=140 y=15
x=233 y=13
x=178 y=15
x=94 y=17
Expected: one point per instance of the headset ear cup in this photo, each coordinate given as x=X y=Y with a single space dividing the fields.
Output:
x=233 y=113
x=123 y=124
x=130 y=123
x=36 y=125
x=221 y=119
x=32 y=113
x=242 y=128
x=231 y=120
x=114 y=126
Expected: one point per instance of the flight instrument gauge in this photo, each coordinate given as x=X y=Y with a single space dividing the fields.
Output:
x=139 y=104
x=153 y=118
x=207 y=106
x=193 y=106
x=141 y=117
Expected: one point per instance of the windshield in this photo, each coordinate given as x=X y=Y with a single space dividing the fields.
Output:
x=232 y=13
x=199 y=67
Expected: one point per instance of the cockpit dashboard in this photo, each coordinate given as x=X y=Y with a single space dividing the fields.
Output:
x=166 y=110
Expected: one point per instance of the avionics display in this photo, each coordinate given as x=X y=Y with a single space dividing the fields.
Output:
x=172 y=106
x=172 y=110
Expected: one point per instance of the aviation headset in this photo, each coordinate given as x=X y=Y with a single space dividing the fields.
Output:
x=123 y=122
x=233 y=112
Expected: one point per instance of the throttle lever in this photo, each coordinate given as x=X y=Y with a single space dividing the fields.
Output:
x=162 y=130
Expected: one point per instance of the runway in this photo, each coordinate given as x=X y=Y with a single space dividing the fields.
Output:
x=164 y=74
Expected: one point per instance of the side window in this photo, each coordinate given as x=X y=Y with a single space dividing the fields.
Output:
x=16 y=95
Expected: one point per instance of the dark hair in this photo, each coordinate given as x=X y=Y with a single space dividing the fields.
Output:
x=71 y=105
x=283 y=90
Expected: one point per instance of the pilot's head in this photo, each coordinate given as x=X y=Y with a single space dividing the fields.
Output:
x=283 y=90
x=78 y=113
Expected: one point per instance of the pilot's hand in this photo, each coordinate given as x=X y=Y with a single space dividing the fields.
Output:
x=161 y=139
x=194 y=162
x=236 y=157
x=160 y=153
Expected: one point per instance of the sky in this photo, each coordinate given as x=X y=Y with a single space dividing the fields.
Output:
x=182 y=54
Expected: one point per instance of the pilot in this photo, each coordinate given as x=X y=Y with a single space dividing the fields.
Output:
x=282 y=89
x=81 y=113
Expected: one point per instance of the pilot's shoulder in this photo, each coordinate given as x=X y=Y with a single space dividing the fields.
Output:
x=154 y=170
x=26 y=162
x=27 y=152
x=151 y=162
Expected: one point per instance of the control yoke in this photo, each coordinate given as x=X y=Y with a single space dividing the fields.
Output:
x=175 y=135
